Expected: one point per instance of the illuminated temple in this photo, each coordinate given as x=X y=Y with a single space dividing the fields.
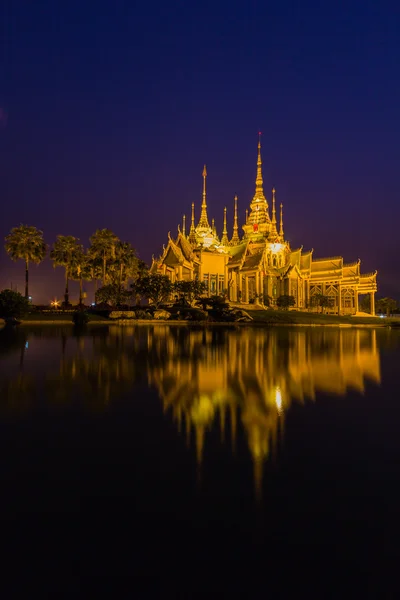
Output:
x=260 y=264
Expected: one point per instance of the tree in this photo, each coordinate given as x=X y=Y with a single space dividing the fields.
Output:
x=102 y=247
x=386 y=305
x=12 y=305
x=190 y=290
x=320 y=300
x=66 y=252
x=81 y=271
x=26 y=243
x=285 y=301
x=154 y=287
x=125 y=264
x=112 y=294
x=364 y=303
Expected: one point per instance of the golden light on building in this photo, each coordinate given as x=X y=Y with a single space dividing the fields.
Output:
x=261 y=265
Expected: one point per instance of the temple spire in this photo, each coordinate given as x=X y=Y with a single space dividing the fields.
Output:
x=224 y=239
x=184 y=226
x=203 y=216
x=281 y=224
x=235 y=237
x=274 y=231
x=192 y=232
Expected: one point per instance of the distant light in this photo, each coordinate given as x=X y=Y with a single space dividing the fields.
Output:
x=93 y=303
x=382 y=316
x=55 y=303
x=27 y=345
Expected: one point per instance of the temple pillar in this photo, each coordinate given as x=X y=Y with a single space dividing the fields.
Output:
x=356 y=300
x=339 y=300
x=240 y=286
x=262 y=288
x=372 y=298
x=257 y=278
x=209 y=285
x=246 y=287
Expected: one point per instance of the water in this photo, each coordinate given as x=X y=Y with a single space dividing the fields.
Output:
x=214 y=462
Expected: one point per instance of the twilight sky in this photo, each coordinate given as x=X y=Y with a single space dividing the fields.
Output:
x=109 y=109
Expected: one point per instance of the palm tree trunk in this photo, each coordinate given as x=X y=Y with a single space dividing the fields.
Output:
x=66 y=294
x=26 y=278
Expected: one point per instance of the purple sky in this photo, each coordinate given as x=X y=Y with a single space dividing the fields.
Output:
x=109 y=110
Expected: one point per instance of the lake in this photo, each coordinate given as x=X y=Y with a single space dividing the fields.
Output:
x=209 y=462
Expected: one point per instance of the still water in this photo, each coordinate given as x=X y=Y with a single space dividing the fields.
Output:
x=215 y=462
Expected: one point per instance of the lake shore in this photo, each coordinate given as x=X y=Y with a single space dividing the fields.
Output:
x=260 y=318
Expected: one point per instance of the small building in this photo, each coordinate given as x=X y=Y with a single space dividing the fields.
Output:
x=260 y=265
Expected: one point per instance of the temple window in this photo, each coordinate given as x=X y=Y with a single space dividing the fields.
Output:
x=274 y=261
x=205 y=279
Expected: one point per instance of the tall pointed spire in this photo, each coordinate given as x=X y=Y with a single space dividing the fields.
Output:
x=274 y=231
x=259 y=179
x=258 y=223
x=281 y=224
x=184 y=226
x=192 y=232
x=224 y=239
x=203 y=216
x=235 y=237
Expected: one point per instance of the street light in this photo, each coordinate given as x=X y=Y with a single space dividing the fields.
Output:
x=55 y=303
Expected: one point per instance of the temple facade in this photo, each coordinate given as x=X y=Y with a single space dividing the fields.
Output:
x=259 y=265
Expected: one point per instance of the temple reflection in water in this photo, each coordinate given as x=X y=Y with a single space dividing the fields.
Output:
x=253 y=375
x=229 y=378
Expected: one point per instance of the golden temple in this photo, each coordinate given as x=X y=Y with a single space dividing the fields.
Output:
x=260 y=264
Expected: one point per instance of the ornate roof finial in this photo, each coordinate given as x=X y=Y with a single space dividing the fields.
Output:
x=203 y=216
x=192 y=232
x=184 y=226
x=224 y=239
x=247 y=215
x=274 y=231
x=213 y=226
x=281 y=224
x=235 y=236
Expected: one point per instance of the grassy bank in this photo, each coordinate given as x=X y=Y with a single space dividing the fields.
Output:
x=260 y=317
x=284 y=317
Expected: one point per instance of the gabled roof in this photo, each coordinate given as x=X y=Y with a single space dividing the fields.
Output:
x=327 y=264
x=238 y=253
x=252 y=261
x=185 y=246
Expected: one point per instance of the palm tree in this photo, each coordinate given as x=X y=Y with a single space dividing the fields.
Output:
x=386 y=305
x=125 y=262
x=26 y=243
x=81 y=270
x=102 y=246
x=65 y=253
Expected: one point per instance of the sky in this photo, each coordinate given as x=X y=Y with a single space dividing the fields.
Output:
x=110 y=109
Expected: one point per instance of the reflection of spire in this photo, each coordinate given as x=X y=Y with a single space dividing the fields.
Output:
x=203 y=217
x=235 y=237
x=222 y=422
x=192 y=232
x=224 y=239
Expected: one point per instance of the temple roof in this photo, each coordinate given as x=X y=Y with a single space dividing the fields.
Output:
x=252 y=261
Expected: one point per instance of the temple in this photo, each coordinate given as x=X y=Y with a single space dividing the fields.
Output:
x=259 y=266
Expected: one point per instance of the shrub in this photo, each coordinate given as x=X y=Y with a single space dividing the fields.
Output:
x=13 y=305
x=80 y=317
